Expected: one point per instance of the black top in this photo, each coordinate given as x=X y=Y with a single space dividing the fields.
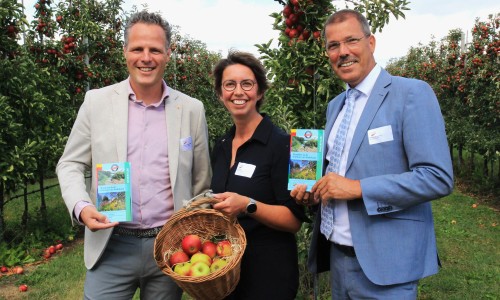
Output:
x=267 y=249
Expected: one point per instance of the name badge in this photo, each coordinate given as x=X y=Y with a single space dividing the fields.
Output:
x=187 y=144
x=380 y=135
x=245 y=170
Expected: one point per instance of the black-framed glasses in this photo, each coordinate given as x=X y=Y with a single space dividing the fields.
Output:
x=350 y=43
x=246 y=85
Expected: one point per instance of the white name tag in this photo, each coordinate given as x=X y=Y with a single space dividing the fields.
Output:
x=245 y=170
x=380 y=135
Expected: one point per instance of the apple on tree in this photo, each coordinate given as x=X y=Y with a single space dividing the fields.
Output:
x=191 y=244
x=199 y=268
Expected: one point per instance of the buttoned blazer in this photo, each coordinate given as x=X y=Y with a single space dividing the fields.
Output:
x=99 y=135
x=392 y=225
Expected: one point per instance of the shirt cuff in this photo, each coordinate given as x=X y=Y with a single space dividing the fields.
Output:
x=80 y=205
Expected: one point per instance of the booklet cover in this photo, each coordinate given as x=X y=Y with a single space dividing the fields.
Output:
x=306 y=157
x=114 y=191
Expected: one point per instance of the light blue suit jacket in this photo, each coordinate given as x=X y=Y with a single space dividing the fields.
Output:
x=392 y=225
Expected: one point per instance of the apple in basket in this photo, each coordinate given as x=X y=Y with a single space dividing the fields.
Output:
x=201 y=257
x=199 y=268
x=183 y=269
x=178 y=257
x=191 y=244
x=224 y=248
x=209 y=248
x=217 y=265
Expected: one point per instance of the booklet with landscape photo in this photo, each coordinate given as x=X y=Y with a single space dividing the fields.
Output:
x=114 y=191
x=306 y=157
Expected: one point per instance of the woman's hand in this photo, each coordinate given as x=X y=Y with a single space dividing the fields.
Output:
x=231 y=204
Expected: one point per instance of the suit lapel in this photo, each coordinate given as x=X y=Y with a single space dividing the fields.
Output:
x=173 y=111
x=376 y=99
x=119 y=102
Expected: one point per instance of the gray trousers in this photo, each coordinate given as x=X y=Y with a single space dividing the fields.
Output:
x=349 y=282
x=127 y=264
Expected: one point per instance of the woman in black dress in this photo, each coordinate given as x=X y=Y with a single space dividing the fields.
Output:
x=250 y=175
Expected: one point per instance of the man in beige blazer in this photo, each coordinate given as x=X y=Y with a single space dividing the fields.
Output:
x=163 y=134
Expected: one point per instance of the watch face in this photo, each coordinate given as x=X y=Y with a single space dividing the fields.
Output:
x=251 y=208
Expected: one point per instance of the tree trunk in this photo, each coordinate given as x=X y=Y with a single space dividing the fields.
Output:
x=24 y=221
x=43 y=206
x=485 y=166
x=460 y=155
x=2 y=221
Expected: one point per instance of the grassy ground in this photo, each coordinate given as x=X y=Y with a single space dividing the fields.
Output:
x=468 y=242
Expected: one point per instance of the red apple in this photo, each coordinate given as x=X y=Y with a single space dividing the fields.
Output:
x=4 y=269
x=18 y=270
x=23 y=288
x=191 y=244
x=209 y=248
x=47 y=254
x=52 y=249
x=178 y=257
x=224 y=248
x=59 y=246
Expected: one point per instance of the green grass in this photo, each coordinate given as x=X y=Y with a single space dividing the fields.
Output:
x=468 y=243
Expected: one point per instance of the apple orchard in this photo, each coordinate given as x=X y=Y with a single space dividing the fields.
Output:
x=71 y=46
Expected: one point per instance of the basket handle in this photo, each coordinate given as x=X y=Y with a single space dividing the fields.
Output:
x=205 y=198
x=196 y=203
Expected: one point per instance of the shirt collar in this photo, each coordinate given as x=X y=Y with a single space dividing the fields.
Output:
x=132 y=96
x=262 y=133
x=367 y=84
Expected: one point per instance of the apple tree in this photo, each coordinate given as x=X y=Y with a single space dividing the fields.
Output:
x=190 y=71
x=465 y=79
x=302 y=80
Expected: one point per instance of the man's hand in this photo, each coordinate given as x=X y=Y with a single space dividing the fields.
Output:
x=94 y=220
x=333 y=186
x=301 y=196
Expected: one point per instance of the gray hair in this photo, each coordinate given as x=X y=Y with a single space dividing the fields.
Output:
x=148 y=18
x=342 y=15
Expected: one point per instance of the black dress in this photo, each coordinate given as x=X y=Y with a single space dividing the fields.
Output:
x=269 y=268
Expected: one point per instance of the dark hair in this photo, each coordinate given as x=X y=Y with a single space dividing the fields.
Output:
x=342 y=15
x=243 y=58
x=148 y=18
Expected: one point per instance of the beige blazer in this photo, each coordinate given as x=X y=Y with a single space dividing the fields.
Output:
x=99 y=135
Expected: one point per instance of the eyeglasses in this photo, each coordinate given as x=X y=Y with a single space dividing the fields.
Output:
x=350 y=43
x=246 y=85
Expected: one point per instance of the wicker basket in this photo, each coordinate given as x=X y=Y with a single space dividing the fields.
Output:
x=206 y=223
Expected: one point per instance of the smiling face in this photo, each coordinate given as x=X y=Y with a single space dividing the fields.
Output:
x=239 y=102
x=146 y=55
x=352 y=63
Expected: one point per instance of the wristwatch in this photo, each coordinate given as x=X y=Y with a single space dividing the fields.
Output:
x=251 y=206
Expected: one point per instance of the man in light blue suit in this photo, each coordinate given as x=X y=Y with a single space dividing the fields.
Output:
x=374 y=228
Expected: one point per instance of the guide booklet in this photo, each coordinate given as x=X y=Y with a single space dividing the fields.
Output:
x=114 y=191
x=306 y=157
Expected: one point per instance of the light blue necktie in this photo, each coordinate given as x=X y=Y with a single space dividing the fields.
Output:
x=338 y=146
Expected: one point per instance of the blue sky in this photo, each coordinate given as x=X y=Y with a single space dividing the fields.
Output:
x=225 y=24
